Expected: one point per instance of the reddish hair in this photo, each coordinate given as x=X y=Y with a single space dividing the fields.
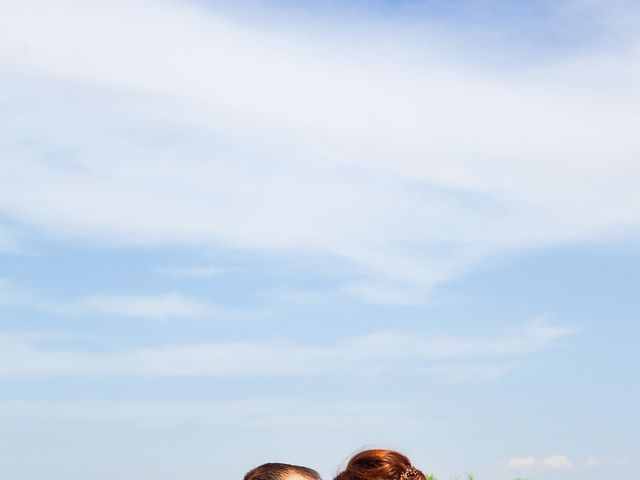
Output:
x=380 y=464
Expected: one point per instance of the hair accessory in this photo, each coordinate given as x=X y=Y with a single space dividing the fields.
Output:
x=410 y=472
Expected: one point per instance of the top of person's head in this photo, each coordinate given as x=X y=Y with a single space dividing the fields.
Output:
x=281 y=471
x=380 y=464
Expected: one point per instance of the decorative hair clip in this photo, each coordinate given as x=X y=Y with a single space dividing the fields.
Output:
x=410 y=472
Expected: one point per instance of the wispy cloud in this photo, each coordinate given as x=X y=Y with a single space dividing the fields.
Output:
x=280 y=414
x=522 y=462
x=412 y=169
x=163 y=306
x=555 y=461
x=482 y=359
x=154 y=306
x=159 y=306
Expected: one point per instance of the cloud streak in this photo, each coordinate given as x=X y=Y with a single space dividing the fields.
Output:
x=161 y=306
x=555 y=461
x=260 y=413
x=443 y=358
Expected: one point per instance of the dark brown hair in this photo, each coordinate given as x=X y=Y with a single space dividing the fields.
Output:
x=279 y=471
x=380 y=464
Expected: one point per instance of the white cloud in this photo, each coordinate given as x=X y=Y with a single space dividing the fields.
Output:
x=161 y=306
x=557 y=461
x=444 y=359
x=552 y=462
x=412 y=169
x=154 y=306
x=536 y=335
x=521 y=462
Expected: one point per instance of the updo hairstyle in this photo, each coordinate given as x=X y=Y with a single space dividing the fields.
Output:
x=380 y=464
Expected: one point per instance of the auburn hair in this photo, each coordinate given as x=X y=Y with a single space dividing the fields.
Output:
x=380 y=464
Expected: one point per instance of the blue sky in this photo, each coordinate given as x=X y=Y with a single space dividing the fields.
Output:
x=233 y=233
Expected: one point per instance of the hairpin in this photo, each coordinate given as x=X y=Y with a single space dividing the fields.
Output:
x=409 y=472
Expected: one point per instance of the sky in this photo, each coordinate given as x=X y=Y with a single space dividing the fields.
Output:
x=240 y=232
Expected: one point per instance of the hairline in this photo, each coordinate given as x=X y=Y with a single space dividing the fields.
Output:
x=278 y=471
